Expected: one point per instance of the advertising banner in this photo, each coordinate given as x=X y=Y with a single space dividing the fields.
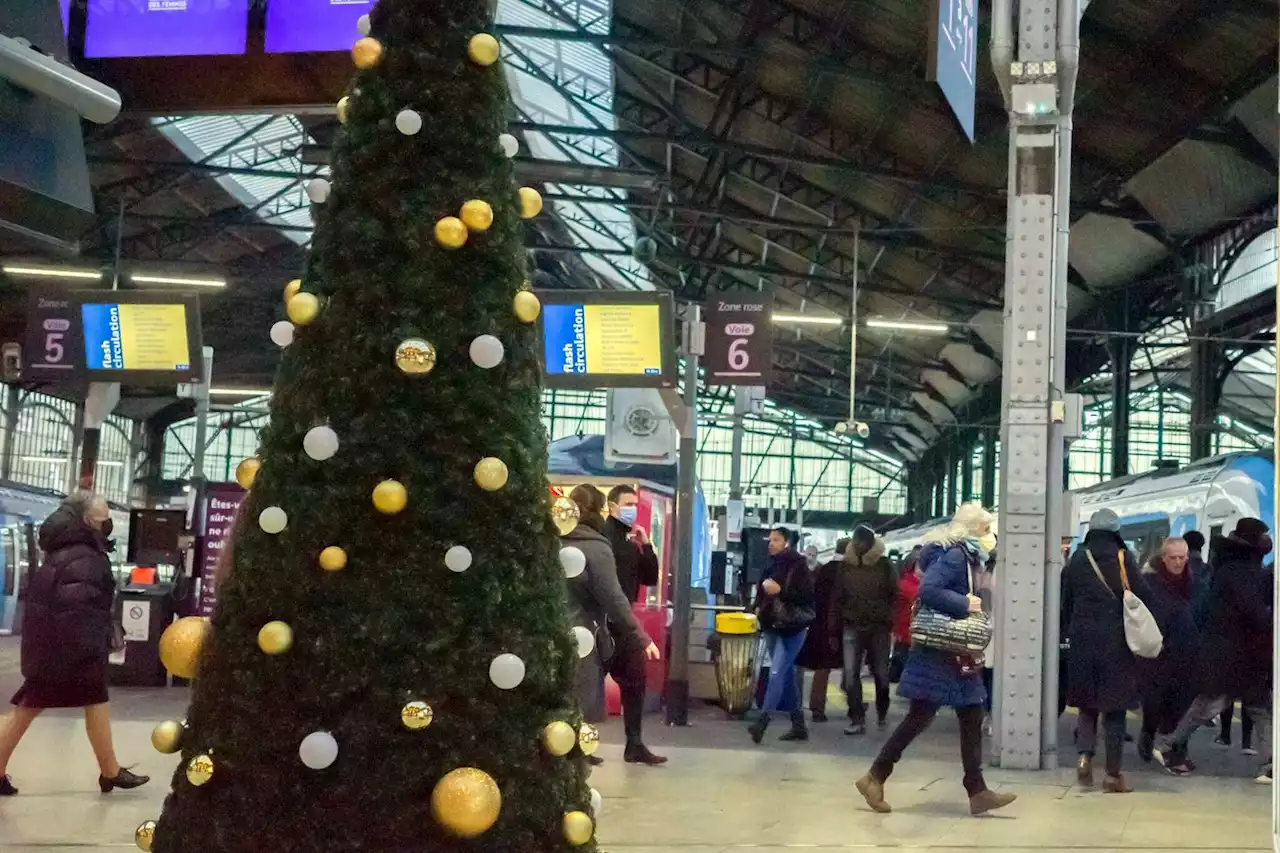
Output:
x=298 y=26
x=134 y=28
x=221 y=501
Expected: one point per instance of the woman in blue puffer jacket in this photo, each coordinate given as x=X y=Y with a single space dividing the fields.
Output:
x=933 y=678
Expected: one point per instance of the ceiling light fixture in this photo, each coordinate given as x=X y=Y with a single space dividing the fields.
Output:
x=808 y=319
x=178 y=280
x=52 y=272
x=908 y=326
x=239 y=392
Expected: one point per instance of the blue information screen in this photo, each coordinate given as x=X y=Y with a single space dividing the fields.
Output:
x=295 y=26
x=956 y=61
x=131 y=28
x=564 y=338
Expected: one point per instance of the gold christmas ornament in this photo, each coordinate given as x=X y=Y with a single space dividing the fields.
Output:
x=275 y=638
x=167 y=737
x=466 y=802
x=451 y=232
x=483 y=49
x=180 y=645
x=389 y=497
x=565 y=514
x=291 y=289
x=344 y=108
x=145 y=835
x=416 y=716
x=526 y=307
x=491 y=474
x=530 y=202
x=415 y=357
x=200 y=770
x=247 y=472
x=477 y=215
x=366 y=53
x=559 y=738
x=303 y=308
x=333 y=559
x=588 y=739
x=578 y=828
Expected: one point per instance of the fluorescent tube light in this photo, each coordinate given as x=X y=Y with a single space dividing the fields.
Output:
x=179 y=280
x=239 y=392
x=52 y=272
x=52 y=460
x=908 y=326
x=809 y=319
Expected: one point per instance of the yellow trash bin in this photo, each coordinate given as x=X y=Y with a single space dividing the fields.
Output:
x=735 y=662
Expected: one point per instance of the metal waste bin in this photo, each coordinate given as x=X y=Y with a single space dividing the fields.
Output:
x=144 y=612
x=737 y=635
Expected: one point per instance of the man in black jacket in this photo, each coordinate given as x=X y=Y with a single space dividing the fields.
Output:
x=637 y=567
x=868 y=589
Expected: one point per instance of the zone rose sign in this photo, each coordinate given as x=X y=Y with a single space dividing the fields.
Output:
x=739 y=339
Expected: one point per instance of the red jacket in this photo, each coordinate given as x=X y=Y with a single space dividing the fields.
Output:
x=908 y=589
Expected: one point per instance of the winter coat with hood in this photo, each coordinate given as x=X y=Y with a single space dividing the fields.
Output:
x=868 y=588
x=1171 y=603
x=66 y=634
x=1235 y=645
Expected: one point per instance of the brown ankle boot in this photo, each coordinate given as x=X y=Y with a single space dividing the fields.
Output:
x=988 y=801
x=872 y=790
x=1116 y=784
x=1084 y=771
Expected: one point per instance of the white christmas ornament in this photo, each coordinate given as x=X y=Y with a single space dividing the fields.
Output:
x=506 y=671
x=273 y=519
x=318 y=750
x=585 y=640
x=320 y=443
x=573 y=561
x=408 y=122
x=362 y=24
x=318 y=190
x=509 y=144
x=282 y=333
x=487 y=351
x=457 y=558
x=597 y=802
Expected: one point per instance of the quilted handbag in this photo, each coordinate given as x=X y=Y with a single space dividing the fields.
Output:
x=969 y=635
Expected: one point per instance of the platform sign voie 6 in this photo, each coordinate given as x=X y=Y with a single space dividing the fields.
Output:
x=739 y=339
x=953 y=56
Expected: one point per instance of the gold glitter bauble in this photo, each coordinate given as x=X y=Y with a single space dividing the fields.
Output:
x=200 y=770
x=167 y=737
x=145 y=835
x=180 y=645
x=578 y=828
x=389 y=497
x=415 y=356
x=491 y=474
x=451 y=232
x=366 y=53
x=247 y=472
x=344 y=108
x=483 y=49
x=588 y=739
x=275 y=638
x=416 y=715
x=530 y=202
x=466 y=802
x=477 y=215
x=291 y=289
x=526 y=306
x=333 y=559
x=559 y=738
x=565 y=514
x=303 y=309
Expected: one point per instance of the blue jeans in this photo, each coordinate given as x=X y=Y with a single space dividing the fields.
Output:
x=782 y=673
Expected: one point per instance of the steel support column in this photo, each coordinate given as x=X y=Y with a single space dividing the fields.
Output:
x=1121 y=382
x=989 y=438
x=964 y=441
x=1034 y=376
x=953 y=483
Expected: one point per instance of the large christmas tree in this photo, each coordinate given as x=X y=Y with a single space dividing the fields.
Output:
x=390 y=666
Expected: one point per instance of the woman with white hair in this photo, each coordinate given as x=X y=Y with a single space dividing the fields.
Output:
x=934 y=677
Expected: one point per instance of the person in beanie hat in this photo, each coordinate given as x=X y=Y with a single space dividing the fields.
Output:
x=1235 y=653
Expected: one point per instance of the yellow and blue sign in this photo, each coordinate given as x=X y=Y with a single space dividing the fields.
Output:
x=608 y=340
x=137 y=336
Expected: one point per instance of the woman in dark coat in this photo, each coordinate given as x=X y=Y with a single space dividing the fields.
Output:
x=933 y=677
x=67 y=635
x=785 y=609
x=821 y=652
x=1102 y=674
x=1166 y=689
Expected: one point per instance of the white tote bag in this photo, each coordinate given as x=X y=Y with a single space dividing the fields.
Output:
x=1141 y=632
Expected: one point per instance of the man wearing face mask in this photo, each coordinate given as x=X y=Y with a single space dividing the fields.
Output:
x=1235 y=652
x=637 y=566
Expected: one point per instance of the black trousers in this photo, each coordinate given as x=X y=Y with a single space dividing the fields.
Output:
x=1246 y=725
x=1113 y=737
x=628 y=670
x=1163 y=707
x=873 y=647
x=919 y=717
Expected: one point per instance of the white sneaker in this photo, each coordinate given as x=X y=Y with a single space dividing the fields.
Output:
x=1264 y=778
x=1248 y=750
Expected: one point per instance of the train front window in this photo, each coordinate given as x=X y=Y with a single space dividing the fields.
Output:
x=1145 y=538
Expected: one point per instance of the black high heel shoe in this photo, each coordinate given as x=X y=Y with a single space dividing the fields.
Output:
x=6 y=787
x=124 y=780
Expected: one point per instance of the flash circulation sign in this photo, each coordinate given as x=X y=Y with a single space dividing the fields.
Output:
x=605 y=339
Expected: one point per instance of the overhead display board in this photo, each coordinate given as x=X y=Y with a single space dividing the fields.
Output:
x=607 y=339
x=739 y=338
x=298 y=26
x=953 y=56
x=138 y=28
x=150 y=338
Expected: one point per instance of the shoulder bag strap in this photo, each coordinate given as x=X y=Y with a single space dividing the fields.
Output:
x=1097 y=571
x=1124 y=577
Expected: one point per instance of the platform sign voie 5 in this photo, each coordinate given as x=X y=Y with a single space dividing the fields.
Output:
x=601 y=339
x=953 y=56
x=739 y=339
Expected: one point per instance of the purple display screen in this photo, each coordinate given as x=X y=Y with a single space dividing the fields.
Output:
x=298 y=26
x=129 y=28
x=65 y=5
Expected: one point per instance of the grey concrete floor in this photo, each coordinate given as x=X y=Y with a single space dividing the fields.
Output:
x=719 y=794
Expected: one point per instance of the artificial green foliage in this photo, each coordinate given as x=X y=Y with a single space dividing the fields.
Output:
x=396 y=624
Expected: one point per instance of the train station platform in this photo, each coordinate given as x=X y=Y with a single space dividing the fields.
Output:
x=719 y=794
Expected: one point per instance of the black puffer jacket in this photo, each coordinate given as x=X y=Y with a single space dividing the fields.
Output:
x=868 y=588
x=1235 y=645
x=66 y=633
